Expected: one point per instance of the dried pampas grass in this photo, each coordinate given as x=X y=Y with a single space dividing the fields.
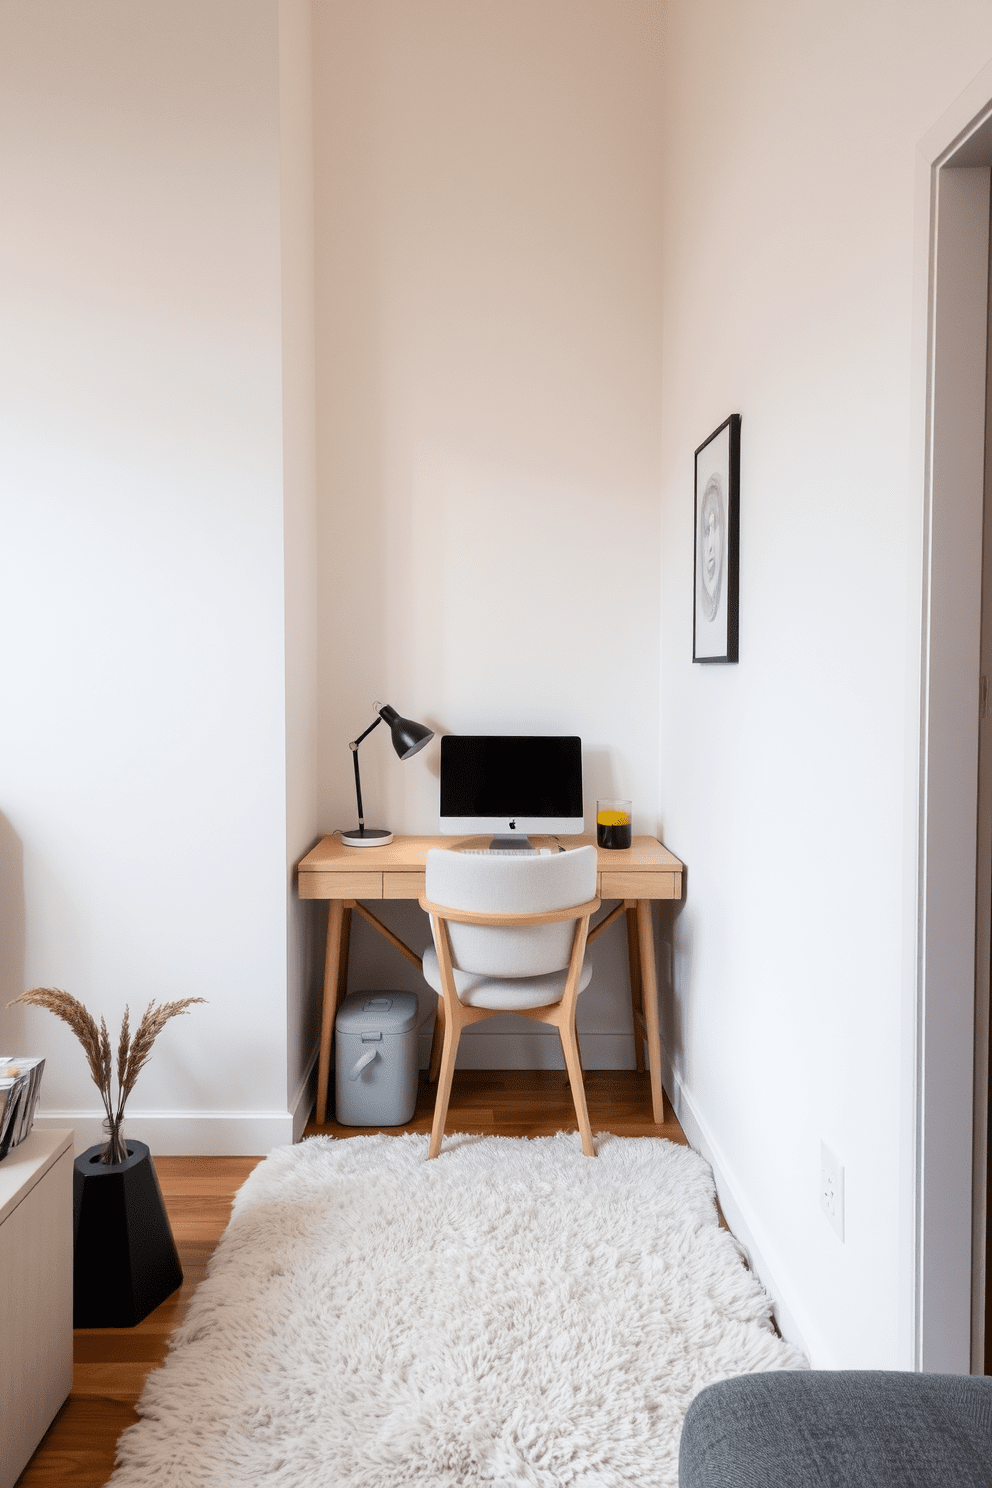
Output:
x=132 y=1053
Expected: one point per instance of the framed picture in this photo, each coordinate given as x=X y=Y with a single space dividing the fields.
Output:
x=716 y=544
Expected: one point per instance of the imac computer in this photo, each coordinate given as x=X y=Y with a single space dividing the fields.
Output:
x=509 y=785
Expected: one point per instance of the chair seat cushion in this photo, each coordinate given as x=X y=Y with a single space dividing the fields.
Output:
x=508 y=994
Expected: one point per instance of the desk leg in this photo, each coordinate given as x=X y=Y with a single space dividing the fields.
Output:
x=636 y=990
x=342 y=988
x=649 y=984
x=332 y=984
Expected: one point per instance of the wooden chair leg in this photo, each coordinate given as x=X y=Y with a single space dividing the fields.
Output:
x=437 y=1042
x=573 y=1064
x=452 y=1034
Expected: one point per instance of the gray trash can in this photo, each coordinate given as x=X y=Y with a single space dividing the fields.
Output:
x=376 y=1059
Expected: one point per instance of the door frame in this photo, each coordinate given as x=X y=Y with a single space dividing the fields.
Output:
x=953 y=190
x=981 y=1232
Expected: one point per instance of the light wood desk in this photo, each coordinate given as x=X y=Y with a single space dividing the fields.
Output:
x=347 y=875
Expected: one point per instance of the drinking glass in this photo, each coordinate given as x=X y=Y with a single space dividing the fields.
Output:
x=613 y=823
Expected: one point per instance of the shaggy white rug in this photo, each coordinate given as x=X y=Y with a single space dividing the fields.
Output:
x=512 y=1314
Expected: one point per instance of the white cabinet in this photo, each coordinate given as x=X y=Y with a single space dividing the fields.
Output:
x=35 y=1293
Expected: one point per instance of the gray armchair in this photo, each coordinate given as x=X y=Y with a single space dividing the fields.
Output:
x=839 y=1429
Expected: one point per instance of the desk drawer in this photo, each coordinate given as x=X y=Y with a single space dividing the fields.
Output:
x=340 y=885
x=402 y=885
x=617 y=884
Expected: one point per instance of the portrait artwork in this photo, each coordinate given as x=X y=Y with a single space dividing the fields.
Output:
x=715 y=548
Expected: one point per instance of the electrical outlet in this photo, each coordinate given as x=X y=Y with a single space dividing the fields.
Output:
x=832 y=1188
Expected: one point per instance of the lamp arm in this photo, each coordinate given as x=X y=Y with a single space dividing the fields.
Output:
x=374 y=724
x=358 y=791
x=353 y=746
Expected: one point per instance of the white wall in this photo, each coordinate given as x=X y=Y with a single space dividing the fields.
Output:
x=790 y=782
x=488 y=291
x=142 y=671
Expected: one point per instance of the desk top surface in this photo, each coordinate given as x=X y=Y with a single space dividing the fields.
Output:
x=645 y=854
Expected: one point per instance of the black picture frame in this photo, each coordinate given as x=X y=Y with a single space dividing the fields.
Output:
x=716 y=544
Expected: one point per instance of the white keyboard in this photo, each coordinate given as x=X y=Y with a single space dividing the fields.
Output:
x=506 y=852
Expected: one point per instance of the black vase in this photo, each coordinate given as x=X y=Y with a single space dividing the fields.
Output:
x=124 y=1257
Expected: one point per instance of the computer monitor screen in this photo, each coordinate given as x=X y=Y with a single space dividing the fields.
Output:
x=511 y=783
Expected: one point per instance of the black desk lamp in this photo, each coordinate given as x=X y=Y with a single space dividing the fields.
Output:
x=408 y=738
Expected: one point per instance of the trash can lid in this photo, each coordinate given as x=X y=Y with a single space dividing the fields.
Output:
x=387 y=1012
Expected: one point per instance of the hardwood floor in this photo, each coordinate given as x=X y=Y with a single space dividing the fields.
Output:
x=111 y=1364
x=534 y=1103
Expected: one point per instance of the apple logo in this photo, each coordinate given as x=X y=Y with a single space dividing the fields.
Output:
x=513 y=826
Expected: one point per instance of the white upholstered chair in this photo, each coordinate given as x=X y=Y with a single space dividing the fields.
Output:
x=509 y=937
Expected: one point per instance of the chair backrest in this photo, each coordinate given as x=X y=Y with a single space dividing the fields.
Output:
x=511 y=885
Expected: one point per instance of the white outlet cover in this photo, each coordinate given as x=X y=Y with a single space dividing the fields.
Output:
x=832 y=1187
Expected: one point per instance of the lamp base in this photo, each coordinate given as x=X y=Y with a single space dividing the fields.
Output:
x=371 y=837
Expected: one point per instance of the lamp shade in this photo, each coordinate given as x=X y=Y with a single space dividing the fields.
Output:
x=408 y=737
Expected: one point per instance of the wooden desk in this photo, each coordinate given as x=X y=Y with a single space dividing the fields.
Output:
x=346 y=875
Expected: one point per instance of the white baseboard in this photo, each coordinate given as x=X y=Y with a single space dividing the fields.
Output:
x=306 y=1096
x=184 y=1133
x=790 y=1315
x=255 y=1133
x=200 y=1133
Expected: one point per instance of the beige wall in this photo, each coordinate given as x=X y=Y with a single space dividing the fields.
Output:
x=488 y=290
x=142 y=578
x=556 y=244
x=790 y=782
x=300 y=530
